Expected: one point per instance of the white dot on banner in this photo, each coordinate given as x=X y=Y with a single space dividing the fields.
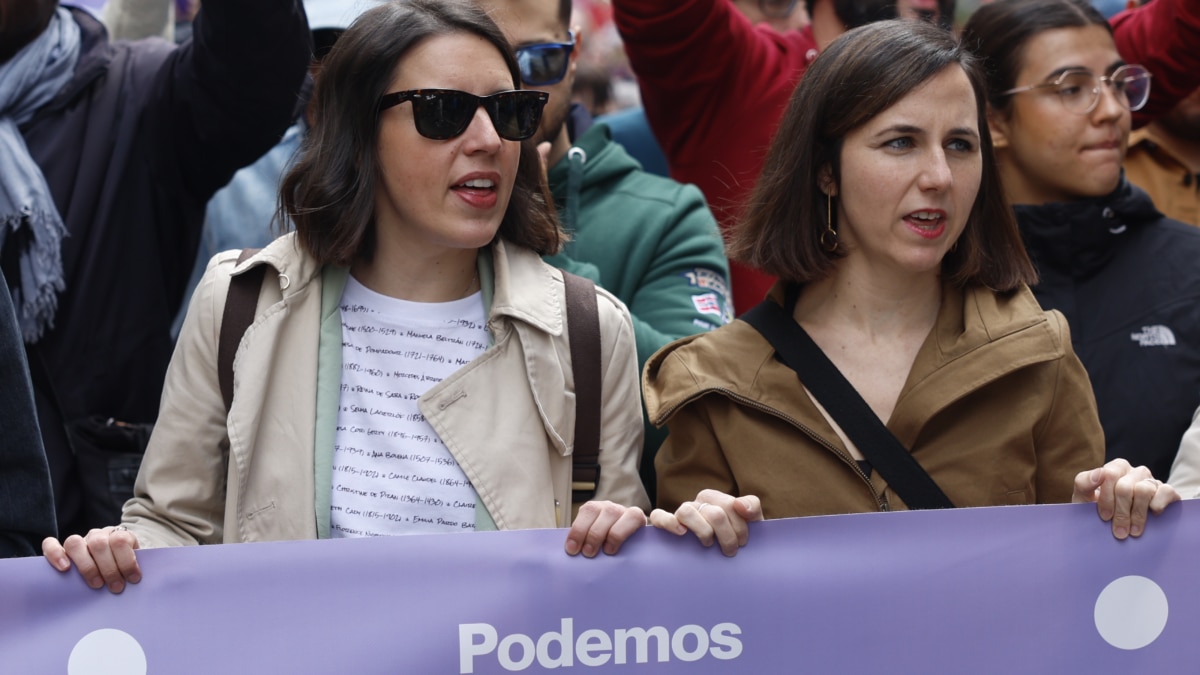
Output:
x=1131 y=612
x=107 y=651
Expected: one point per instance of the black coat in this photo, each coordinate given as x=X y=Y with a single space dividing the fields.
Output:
x=26 y=503
x=1128 y=280
x=132 y=148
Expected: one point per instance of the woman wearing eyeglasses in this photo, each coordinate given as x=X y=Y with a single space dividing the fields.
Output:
x=407 y=367
x=1125 y=277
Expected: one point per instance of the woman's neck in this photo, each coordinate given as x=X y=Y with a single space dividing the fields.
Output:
x=420 y=278
x=870 y=303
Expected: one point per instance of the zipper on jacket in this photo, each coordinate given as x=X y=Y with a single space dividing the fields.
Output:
x=845 y=457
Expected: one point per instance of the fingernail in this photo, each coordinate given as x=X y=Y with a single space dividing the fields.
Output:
x=134 y=578
x=96 y=583
x=572 y=547
x=62 y=564
x=1097 y=475
x=1135 y=531
x=116 y=587
x=1120 y=532
x=589 y=551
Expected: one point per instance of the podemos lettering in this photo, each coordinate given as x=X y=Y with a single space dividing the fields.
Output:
x=594 y=647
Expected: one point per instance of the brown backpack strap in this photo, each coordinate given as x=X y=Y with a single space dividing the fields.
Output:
x=583 y=328
x=240 y=304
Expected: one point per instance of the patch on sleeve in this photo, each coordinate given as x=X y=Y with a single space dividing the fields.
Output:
x=716 y=303
x=707 y=303
x=705 y=278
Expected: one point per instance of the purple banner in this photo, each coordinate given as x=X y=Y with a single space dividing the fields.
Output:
x=1042 y=589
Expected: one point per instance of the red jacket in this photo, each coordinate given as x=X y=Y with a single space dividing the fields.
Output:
x=1163 y=36
x=714 y=88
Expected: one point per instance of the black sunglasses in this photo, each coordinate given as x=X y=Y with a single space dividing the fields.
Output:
x=545 y=63
x=445 y=113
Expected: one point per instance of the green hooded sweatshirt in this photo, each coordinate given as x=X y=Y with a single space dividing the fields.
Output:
x=648 y=240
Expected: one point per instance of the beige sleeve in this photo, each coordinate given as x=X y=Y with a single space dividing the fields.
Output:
x=1185 y=472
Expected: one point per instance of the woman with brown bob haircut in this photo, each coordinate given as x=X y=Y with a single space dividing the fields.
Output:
x=408 y=365
x=902 y=270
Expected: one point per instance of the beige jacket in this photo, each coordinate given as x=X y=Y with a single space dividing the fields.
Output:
x=997 y=409
x=262 y=472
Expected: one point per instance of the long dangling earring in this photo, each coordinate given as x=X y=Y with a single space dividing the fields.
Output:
x=829 y=240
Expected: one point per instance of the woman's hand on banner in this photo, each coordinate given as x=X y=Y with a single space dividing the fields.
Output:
x=1123 y=495
x=603 y=526
x=105 y=557
x=713 y=517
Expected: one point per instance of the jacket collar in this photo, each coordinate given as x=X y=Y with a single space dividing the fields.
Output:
x=979 y=336
x=526 y=289
x=1080 y=237
x=523 y=287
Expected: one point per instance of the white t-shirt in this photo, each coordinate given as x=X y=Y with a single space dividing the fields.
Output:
x=391 y=473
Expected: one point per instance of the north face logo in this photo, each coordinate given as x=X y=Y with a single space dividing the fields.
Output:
x=1154 y=336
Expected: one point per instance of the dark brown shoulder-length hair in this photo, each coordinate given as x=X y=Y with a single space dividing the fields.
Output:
x=330 y=192
x=998 y=33
x=861 y=74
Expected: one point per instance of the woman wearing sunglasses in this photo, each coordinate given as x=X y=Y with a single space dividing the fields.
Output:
x=407 y=366
x=880 y=209
x=1126 y=278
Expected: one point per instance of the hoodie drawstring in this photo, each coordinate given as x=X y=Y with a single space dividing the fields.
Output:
x=576 y=158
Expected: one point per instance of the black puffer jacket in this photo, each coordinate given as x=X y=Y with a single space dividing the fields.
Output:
x=132 y=148
x=1128 y=280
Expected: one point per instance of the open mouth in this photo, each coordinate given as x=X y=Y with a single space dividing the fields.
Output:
x=478 y=184
x=928 y=224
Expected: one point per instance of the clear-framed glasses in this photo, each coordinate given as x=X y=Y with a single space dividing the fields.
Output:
x=545 y=63
x=777 y=9
x=1079 y=90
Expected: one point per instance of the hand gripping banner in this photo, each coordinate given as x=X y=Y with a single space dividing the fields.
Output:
x=1043 y=589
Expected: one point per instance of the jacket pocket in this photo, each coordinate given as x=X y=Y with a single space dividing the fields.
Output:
x=1017 y=497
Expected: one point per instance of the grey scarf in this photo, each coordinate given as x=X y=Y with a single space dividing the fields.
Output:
x=29 y=81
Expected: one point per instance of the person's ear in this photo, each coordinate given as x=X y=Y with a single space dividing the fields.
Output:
x=573 y=58
x=826 y=182
x=578 y=31
x=999 y=127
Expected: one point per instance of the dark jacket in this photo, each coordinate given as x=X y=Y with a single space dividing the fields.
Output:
x=1128 y=281
x=132 y=148
x=26 y=504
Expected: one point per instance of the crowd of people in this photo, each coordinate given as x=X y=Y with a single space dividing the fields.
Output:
x=455 y=300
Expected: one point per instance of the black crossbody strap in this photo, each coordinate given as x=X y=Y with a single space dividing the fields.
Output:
x=583 y=327
x=891 y=459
